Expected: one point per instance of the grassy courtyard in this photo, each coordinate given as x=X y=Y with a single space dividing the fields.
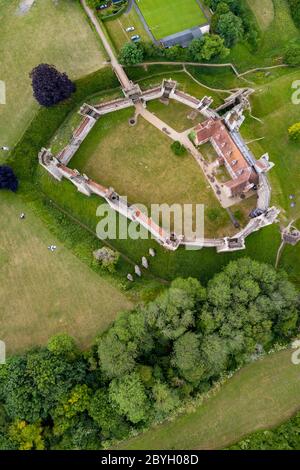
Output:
x=175 y=114
x=139 y=163
x=55 y=34
x=43 y=293
x=262 y=395
x=171 y=16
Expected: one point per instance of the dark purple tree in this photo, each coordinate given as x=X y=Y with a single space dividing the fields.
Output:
x=8 y=179
x=50 y=86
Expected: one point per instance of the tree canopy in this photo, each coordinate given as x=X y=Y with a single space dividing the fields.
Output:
x=147 y=363
x=50 y=86
x=8 y=179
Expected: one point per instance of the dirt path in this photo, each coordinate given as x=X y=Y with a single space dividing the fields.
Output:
x=124 y=80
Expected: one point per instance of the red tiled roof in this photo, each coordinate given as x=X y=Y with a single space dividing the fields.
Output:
x=215 y=130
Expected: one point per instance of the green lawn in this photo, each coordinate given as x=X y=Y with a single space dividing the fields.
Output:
x=171 y=16
x=262 y=395
x=175 y=114
x=56 y=34
x=277 y=29
x=138 y=162
x=290 y=262
x=263 y=11
x=117 y=28
x=43 y=293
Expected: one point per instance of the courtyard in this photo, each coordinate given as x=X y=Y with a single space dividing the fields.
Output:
x=139 y=163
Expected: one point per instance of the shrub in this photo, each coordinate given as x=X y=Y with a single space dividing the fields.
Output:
x=294 y=132
x=178 y=149
x=8 y=180
x=50 y=86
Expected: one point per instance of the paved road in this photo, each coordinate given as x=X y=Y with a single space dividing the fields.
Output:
x=123 y=79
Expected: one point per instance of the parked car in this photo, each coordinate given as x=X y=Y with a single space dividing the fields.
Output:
x=131 y=28
x=135 y=38
x=102 y=7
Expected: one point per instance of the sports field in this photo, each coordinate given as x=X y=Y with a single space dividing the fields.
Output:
x=171 y=16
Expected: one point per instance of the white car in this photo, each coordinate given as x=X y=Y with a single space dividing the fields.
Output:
x=131 y=28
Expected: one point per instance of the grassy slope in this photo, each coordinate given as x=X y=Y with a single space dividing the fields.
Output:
x=171 y=16
x=260 y=396
x=263 y=11
x=272 y=103
x=58 y=35
x=274 y=38
x=43 y=293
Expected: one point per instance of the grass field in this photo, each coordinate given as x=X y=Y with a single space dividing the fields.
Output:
x=290 y=261
x=117 y=28
x=277 y=29
x=171 y=16
x=263 y=11
x=58 y=35
x=262 y=395
x=43 y=293
x=138 y=162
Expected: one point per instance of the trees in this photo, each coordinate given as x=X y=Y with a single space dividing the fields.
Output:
x=294 y=132
x=292 y=55
x=131 y=54
x=173 y=313
x=27 y=436
x=165 y=399
x=8 y=179
x=107 y=257
x=187 y=357
x=149 y=360
x=50 y=86
x=230 y=28
x=106 y=416
x=115 y=357
x=208 y=47
x=284 y=437
x=178 y=149
x=295 y=11
x=63 y=345
x=129 y=395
